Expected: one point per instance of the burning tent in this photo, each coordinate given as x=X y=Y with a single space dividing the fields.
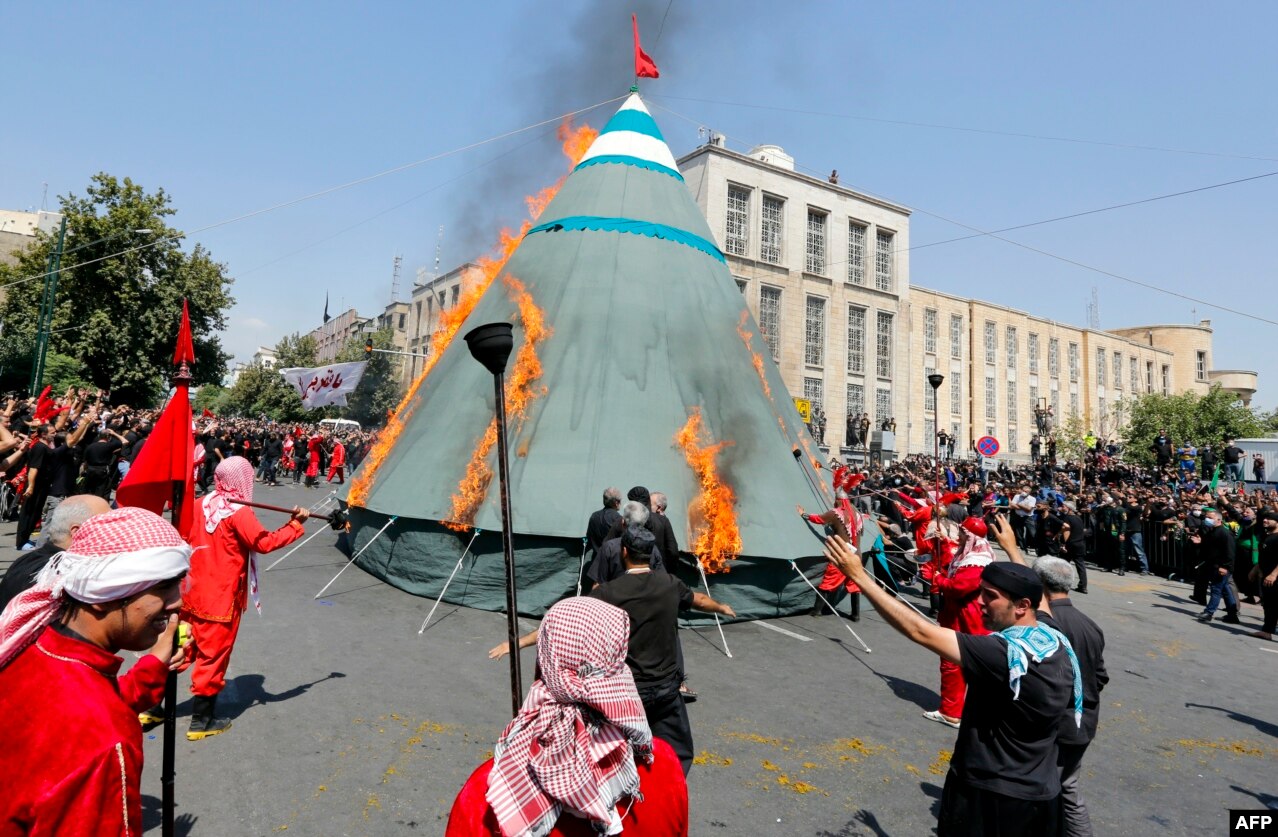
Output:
x=636 y=363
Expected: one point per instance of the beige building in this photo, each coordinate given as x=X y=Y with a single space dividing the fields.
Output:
x=18 y=230
x=432 y=296
x=825 y=271
x=334 y=334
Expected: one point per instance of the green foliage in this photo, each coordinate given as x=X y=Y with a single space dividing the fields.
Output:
x=212 y=397
x=1070 y=435
x=259 y=391
x=1201 y=419
x=378 y=390
x=61 y=372
x=117 y=312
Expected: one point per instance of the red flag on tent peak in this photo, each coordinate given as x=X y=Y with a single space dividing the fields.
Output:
x=645 y=67
x=185 y=350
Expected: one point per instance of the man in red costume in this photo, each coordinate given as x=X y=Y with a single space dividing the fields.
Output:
x=313 y=460
x=223 y=578
x=116 y=587
x=845 y=522
x=337 y=462
x=960 y=588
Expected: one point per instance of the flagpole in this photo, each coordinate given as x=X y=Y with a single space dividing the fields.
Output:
x=168 y=773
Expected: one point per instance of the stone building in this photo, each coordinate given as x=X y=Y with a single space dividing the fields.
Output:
x=825 y=271
x=333 y=335
x=432 y=296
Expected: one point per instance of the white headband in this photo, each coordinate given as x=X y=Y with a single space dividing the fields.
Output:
x=94 y=579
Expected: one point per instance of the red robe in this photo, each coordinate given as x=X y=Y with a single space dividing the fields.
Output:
x=960 y=611
x=663 y=811
x=217 y=589
x=81 y=773
x=838 y=519
x=313 y=452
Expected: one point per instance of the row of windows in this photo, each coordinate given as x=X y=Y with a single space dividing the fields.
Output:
x=736 y=239
x=814 y=332
x=814 y=391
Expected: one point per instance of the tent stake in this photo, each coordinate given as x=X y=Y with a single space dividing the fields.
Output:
x=581 y=571
x=422 y=629
x=795 y=567
x=717 y=624
x=357 y=554
x=309 y=538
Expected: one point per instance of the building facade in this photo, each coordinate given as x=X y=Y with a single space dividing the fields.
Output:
x=432 y=296
x=825 y=271
x=331 y=336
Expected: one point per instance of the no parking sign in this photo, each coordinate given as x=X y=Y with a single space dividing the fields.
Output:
x=987 y=446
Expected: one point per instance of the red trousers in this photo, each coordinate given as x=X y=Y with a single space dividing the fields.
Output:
x=338 y=470
x=213 y=644
x=834 y=577
x=953 y=690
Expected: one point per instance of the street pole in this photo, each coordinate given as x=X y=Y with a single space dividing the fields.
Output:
x=935 y=380
x=45 y=320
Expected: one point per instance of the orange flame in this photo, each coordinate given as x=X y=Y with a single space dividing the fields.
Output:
x=754 y=356
x=717 y=538
x=574 y=142
x=521 y=390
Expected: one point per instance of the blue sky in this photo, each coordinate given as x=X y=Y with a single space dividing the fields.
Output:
x=233 y=107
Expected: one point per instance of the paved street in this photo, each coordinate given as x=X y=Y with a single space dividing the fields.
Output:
x=347 y=722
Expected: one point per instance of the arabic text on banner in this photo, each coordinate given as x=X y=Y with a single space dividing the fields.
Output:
x=325 y=385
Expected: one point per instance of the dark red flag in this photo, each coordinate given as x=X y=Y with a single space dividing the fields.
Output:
x=185 y=350
x=207 y=413
x=645 y=67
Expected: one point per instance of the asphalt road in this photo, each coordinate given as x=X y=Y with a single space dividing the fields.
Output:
x=347 y=722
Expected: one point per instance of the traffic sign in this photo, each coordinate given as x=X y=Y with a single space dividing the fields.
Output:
x=987 y=446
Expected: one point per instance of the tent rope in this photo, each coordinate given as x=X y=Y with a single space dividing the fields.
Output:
x=706 y=583
x=837 y=612
x=422 y=629
x=357 y=554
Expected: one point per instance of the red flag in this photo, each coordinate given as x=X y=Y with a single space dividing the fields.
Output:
x=207 y=413
x=167 y=456
x=645 y=67
x=185 y=350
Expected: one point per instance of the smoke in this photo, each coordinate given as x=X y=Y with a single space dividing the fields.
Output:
x=592 y=61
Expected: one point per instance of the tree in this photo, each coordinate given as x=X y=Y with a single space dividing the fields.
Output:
x=378 y=390
x=260 y=391
x=1188 y=417
x=212 y=397
x=119 y=299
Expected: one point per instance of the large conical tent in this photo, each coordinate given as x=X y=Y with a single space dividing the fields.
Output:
x=647 y=327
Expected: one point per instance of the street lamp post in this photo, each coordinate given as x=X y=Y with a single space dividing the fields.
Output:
x=491 y=345
x=935 y=380
x=44 y=322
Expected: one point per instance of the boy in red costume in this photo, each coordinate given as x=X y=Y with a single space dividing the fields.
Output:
x=845 y=522
x=116 y=587
x=337 y=463
x=960 y=588
x=223 y=577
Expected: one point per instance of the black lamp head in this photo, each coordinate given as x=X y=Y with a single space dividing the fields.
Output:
x=936 y=379
x=491 y=344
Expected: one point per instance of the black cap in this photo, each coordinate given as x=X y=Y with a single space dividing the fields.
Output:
x=638 y=539
x=1016 y=580
x=639 y=494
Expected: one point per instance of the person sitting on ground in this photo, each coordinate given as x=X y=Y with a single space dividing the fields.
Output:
x=580 y=757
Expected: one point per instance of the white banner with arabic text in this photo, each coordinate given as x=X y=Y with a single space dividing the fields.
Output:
x=325 y=385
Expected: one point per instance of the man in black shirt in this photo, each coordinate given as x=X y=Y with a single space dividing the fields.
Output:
x=39 y=477
x=1003 y=775
x=272 y=450
x=1216 y=549
x=1074 y=543
x=1134 y=537
x=602 y=520
x=96 y=467
x=1088 y=642
x=1232 y=454
x=1267 y=574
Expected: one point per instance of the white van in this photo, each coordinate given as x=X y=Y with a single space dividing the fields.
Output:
x=339 y=425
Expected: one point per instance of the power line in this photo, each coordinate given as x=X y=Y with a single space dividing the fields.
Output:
x=969 y=130
x=978 y=232
x=323 y=192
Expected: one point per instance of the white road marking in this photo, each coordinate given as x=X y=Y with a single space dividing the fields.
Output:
x=771 y=627
x=1270 y=650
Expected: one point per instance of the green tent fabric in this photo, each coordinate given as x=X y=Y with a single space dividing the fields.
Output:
x=645 y=330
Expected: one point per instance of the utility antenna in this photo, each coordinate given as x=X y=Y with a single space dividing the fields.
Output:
x=399 y=260
x=439 y=246
x=1093 y=310
x=44 y=199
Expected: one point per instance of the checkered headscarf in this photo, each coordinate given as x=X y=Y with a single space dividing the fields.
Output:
x=232 y=481
x=112 y=556
x=573 y=744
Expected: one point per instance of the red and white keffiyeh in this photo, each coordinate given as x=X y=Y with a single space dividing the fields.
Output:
x=572 y=746
x=232 y=481
x=112 y=556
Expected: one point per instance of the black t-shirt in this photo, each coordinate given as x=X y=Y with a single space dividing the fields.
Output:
x=1133 y=518
x=21 y=574
x=1075 y=542
x=1009 y=746
x=1268 y=555
x=100 y=453
x=652 y=601
x=39 y=458
x=1233 y=454
x=63 y=471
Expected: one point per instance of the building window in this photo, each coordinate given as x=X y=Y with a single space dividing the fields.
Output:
x=991 y=343
x=1134 y=369
x=929 y=394
x=1033 y=394
x=771 y=230
x=929 y=330
x=883 y=337
x=456 y=294
x=1149 y=376
x=1011 y=401
x=956 y=393
x=856 y=253
x=814 y=332
x=770 y=318
x=1101 y=357
x=1073 y=403
x=1166 y=379
x=882 y=404
x=856 y=399
x=856 y=340
x=815 y=262
x=1031 y=349
x=1073 y=362
x=736 y=232
x=1056 y=402
x=883 y=260
x=991 y=405
x=956 y=336
x=1118 y=370
x=1200 y=365
x=1053 y=357
x=814 y=391
x=1100 y=414
x=929 y=430
x=1010 y=347
x=1012 y=440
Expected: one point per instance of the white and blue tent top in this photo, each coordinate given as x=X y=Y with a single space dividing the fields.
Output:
x=632 y=137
